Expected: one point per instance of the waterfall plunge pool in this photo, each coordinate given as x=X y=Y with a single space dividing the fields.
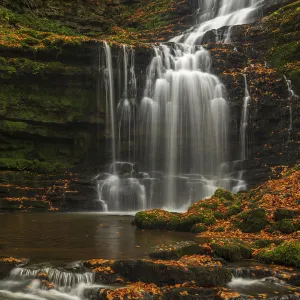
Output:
x=66 y=237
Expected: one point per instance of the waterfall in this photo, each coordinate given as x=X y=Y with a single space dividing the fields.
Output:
x=244 y=122
x=181 y=122
x=292 y=95
x=110 y=99
x=183 y=119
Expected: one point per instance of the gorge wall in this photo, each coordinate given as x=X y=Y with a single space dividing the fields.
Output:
x=52 y=127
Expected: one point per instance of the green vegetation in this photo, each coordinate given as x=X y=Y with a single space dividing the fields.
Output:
x=223 y=194
x=288 y=253
x=283 y=29
x=232 y=251
x=252 y=221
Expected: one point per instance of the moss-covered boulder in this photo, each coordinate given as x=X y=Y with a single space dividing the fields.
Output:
x=221 y=193
x=155 y=219
x=198 y=228
x=189 y=219
x=287 y=253
x=252 y=221
x=177 y=250
x=282 y=213
x=285 y=226
x=232 y=251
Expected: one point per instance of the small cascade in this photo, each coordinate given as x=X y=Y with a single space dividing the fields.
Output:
x=56 y=277
x=63 y=285
x=122 y=189
x=292 y=96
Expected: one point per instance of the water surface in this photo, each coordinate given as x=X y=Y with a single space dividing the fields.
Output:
x=68 y=237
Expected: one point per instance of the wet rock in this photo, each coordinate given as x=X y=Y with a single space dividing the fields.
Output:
x=9 y=263
x=294 y=280
x=252 y=221
x=282 y=213
x=160 y=273
x=177 y=250
x=253 y=272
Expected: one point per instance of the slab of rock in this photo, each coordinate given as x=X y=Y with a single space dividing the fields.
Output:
x=177 y=250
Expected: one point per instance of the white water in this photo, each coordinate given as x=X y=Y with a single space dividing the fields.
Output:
x=244 y=122
x=182 y=121
x=23 y=285
x=126 y=108
x=292 y=96
x=110 y=99
x=215 y=14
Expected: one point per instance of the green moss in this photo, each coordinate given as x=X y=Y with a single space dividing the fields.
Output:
x=231 y=251
x=198 y=228
x=283 y=30
x=282 y=213
x=32 y=165
x=18 y=67
x=219 y=216
x=37 y=103
x=11 y=127
x=288 y=253
x=233 y=210
x=33 y=21
x=285 y=226
x=187 y=221
x=175 y=250
x=153 y=219
x=262 y=243
x=252 y=221
x=220 y=229
x=221 y=193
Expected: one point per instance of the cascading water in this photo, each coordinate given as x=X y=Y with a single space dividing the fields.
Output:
x=182 y=120
x=214 y=14
x=292 y=95
x=244 y=122
x=126 y=108
x=110 y=99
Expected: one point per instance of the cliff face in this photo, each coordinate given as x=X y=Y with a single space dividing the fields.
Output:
x=52 y=98
x=265 y=52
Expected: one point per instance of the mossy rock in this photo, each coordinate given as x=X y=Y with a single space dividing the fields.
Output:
x=285 y=226
x=221 y=193
x=188 y=221
x=252 y=221
x=282 y=213
x=176 y=250
x=153 y=219
x=233 y=210
x=219 y=216
x=219 y=229
x=287 y=253
x=198 y=228
x=262 y=243
x=232 y=251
